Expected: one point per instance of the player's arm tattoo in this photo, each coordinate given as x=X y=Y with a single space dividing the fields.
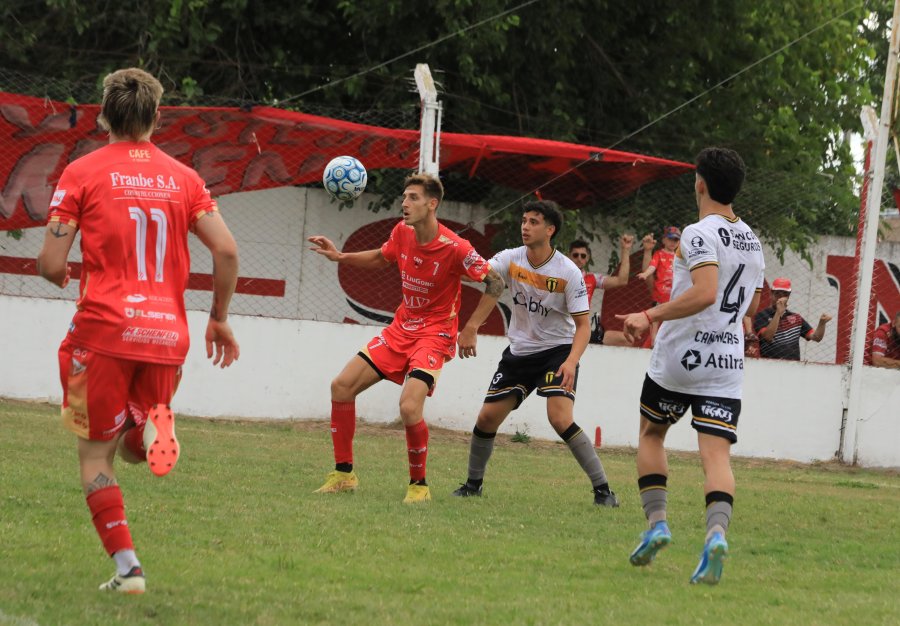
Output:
x=493 y=284
x=101 y=481
x=59 y=232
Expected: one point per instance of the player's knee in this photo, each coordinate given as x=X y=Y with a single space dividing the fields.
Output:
x=342 y=390
x=410 y=410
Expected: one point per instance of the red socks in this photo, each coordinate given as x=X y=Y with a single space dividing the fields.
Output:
x=108 y=511
x=343 y=427
x=417 y=448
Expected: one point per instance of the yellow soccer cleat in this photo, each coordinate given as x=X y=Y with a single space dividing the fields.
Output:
x=337 y=481
x=417 y=493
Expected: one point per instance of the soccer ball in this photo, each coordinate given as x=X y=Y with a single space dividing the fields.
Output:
x=344 y=178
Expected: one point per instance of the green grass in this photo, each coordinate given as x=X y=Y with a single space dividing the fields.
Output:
x=235 y=536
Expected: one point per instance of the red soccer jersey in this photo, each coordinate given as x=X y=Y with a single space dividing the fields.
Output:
x=592 y=281
x=662 y=283
x=430 y=276
x=885 y=342
x=134 y=205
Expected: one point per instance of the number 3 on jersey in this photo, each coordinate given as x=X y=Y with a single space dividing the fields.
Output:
x=140 y=226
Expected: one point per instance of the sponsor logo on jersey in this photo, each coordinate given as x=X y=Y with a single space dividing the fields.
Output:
x=135 y=298
x=697 y=241
x=432 y=362
x=690 y=360
x=552 y=283
x=160 y=181
x=415 y=302
x=718 y=336
x=139 y=154
x=58 y=197
x=724 y=362
x=153 y=336
x=417 y=261
x=119 y=418
x=150 y=315
x=532 y=305
x=472 y=258
x=412 y=324
x=725 y=236
x=716 y=411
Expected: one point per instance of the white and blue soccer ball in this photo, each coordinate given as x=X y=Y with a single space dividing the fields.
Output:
x=345 y=178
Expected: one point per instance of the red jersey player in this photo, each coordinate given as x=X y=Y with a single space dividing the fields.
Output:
x=121 y=360
x=412 y=350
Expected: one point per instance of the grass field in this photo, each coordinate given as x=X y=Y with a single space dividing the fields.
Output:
x=235 y=536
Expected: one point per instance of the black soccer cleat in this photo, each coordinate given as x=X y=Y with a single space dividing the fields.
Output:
x=466 y=490
x=605 y=497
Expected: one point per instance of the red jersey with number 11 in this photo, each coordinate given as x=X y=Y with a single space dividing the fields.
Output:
x=134 y=206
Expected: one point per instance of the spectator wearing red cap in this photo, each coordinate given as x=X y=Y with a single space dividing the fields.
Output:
x=779 y=329
x=884 y=350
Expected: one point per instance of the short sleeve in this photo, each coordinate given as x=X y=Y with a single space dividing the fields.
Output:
x=473 y=264
x=761 y=320
x=599 y=280
x=500 y=263
x=389 y=248
x=805 y=329
x=65 y=206
x=654 y=262
x=202 y=203
x=698 y=249
x=879 y=342
x=576 y=294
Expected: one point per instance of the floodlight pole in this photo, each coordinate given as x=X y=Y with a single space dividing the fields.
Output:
x=430 y=127
x=867 y=260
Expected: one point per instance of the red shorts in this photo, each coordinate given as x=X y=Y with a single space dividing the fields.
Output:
x=394 y=355
x=101 y=394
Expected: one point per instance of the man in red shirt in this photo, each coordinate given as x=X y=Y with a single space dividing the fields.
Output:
x=411 y=351
x=121 y=360
x=884 y=351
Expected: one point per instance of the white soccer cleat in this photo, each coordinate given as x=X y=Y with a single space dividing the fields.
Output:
x=132 y=582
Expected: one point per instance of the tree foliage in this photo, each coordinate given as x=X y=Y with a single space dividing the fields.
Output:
x=588 y=71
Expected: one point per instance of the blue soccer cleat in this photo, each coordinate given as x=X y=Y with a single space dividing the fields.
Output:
x=709 y=570
x=652 y=541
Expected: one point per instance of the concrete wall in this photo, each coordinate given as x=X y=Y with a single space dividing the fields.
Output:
x=790 y=411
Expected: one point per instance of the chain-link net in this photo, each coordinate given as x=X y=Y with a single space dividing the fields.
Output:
x=265 y=164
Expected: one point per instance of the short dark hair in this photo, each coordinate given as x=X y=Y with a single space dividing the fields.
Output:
x=723 y=170
x=579 y=243
x=431 y=184
x=550 y=211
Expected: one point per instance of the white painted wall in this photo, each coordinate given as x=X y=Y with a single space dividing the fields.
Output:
x=790 y=411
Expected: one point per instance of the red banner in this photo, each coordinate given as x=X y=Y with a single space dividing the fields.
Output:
x=242 y=150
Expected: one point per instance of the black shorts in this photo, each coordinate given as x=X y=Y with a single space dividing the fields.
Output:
x=709 y=414
x=520 y=375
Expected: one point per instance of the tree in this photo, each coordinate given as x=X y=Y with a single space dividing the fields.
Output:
x=588 y=71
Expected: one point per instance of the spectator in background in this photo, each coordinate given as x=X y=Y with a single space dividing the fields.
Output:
x=780 y=329
x=580 y=253
x=657 y=268
x=884 y=351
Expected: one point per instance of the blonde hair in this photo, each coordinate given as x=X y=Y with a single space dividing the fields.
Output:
x=130 y=101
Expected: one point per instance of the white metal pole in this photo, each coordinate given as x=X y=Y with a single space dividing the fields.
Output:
x=429 y=130
x=867 y=262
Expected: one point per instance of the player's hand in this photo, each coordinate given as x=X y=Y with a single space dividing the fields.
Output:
x=567 y=371
x=227 y=350
x=467 y=340
x=648 y=241
x=66 y=278
x=781 y=305
x=634 y=326
x=642 y=275
x=825 y=318
x=626 y=242
x=325 y=247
